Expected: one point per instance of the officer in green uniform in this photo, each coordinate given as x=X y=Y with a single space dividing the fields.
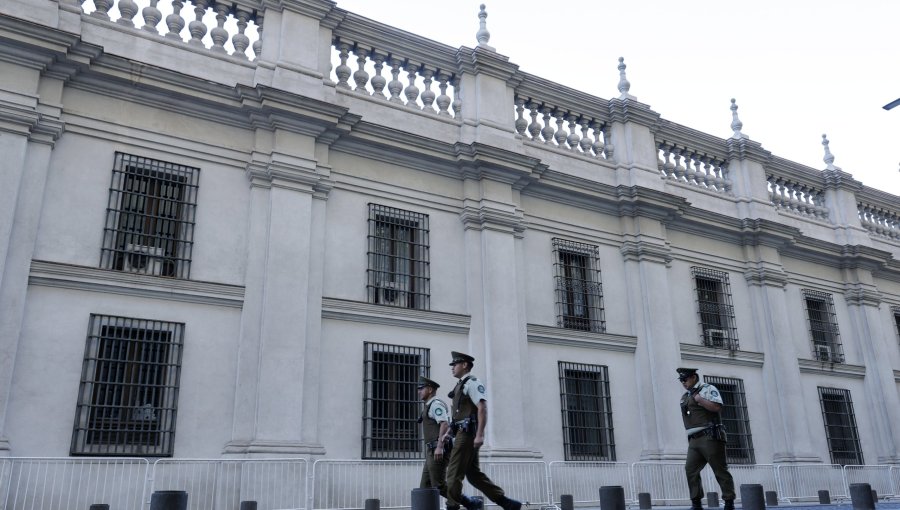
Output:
x=700 y=408
x=469 y=419
x=435 y=422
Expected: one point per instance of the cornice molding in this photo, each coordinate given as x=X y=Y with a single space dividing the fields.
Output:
x=744 y=148
x=858 y=295
x=485 y=217
x=357 y=311
x=839 y=179
x=645 y=251
x=766 y=277
x=491 y=63
x=90 y=279
x=318 y=9
x=693 y=352
x=629 y=110
x=810 y=366
x=542 y=334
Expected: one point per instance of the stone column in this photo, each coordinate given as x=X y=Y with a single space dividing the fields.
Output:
x=748 y=177
x=840 y=199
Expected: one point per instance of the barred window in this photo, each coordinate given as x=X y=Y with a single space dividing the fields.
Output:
x=896 y=311
x=579 y=295
x=823 y=328
x=586 y=412
x=735 y=419
x=150 y=217
x=391 y=404
x=713 y=293
x=840 y=426
x=129 y=387
x=398 y=273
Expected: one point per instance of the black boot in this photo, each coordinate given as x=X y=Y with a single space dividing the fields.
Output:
x=472 y=503
x=509 y=504
x=729 y=504
x=696 y=505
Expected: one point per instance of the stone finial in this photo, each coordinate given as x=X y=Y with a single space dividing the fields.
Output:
x=624 y=85
x=829 y=158
x=483 y=36
x=736 y=123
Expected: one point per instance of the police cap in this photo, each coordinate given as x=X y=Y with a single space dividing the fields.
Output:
x=684 y=373
x=424 y=381
x=459 y=357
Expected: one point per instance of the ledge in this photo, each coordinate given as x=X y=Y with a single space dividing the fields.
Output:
x=810 y=366
x=91 y=279
x=585 y=339
x=357 y=311
x=693 y=352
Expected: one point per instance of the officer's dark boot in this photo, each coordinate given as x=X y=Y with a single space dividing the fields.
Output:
x=509 y=504
x=696 y=505
x=729 y=504
x=472 y=503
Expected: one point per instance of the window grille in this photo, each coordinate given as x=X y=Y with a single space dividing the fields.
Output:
x=150 y=217
x=579 y=294
x=713 y=293
x=586 y=412
x=391 y=404
x=823 y=328
x=735 y=418
x=840 y=426
x=129 y=388
x=398 y=273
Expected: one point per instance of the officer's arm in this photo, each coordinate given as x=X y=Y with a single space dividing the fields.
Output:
x=709 y=405
x=482 y=421
x=442 y=435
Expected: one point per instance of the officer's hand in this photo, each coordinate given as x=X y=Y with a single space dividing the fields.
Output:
x=439 y=452
x=479 y=440
x=697 y=398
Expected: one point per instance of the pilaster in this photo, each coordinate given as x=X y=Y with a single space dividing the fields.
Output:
x=840 y=198
x=631 y=132
x=746 y=169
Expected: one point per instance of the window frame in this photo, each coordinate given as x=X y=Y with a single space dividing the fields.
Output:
x=391 y=406
x=823 y=327
x=895 y=313
x=570 y=287
x=587 y=419
x=150 y=217
x=718 y=329
x=849 y=425
x=121 y=364
x=398 y=270
x=735 y=418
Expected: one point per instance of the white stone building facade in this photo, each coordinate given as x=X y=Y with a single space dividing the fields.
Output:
x=206 y=254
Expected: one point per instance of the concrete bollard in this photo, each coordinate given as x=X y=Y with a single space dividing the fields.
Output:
x=373 y=504
x=644 y=501
x=861 y=496
x=100 y=506
x=427 y=498
x=752 y=497
x=771 y=498
x=169 y=500
x=612 y=497
x=712 y=500
x=824 y=498
x=567 y=502
x=248 y=505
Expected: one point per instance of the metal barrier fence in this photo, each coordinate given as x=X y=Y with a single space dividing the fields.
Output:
x=879 y=477
x=802 y=482
x=582 y=480
x=523 y=480
x=221 y=484
x=663 y=480
x=339 y=484
x=763 y=474
x=72 y=483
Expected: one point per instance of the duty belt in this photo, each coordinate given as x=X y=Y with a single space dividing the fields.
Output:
x=432 y=445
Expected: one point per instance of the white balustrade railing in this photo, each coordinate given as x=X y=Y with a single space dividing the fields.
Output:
x=72 y=483
x=797 y=198
x=878 y=477
x=880 y=220
x=680 y=163
x=222 y=27
x=802 y=482
x=568 y=128
x=582 y=480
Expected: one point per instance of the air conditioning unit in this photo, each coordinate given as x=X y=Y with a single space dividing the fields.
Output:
x=393 y=294
x=823 y=353
x=139 y=258
x=717 y=338
x=145 y=412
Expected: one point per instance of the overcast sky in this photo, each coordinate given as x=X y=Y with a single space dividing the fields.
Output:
x=798 y=68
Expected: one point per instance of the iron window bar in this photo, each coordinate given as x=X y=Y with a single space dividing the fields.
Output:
x=398 y=271
x=712 y=291
x=586 y=412
x=823 y=327
x=579 y=292
x=896 y=311
x=735 y=418
x=150 y=217
x=840 y=426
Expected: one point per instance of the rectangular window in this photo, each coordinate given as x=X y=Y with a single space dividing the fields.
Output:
x=823 y=328
x=398 y=273
x=129 y=387
x=840 y=426
x=735 y=419
x=586 y=412
x=713 y=293
x=391 y=404
x=150 y=217
x=579 y=295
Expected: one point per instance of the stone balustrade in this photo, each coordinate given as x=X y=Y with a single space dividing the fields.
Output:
x=222 y=27
x=690 y=157
x=796 y=189
x=564 y=118
x=879 y=218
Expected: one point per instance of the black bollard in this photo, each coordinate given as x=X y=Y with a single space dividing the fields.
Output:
x=824 y=498
x=426 y=499
x=373 y=504
x=874 y=495
x=567 y=502
x=771 y=498
x=100 y=506
x=752 y=496
x=248 y=505
x=169 y=500
x=861 y=496
x=612 y=497
x=712 y=499
x=644 y=501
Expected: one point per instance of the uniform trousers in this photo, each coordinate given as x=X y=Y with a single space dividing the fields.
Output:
x=464 y=464
x=705 y=450
x=434 y=472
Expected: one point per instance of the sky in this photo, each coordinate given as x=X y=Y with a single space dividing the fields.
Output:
x=798 y=68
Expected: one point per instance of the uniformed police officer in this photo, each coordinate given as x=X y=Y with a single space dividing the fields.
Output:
x=700 y=408
x=469 y=420
x=435 y=421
